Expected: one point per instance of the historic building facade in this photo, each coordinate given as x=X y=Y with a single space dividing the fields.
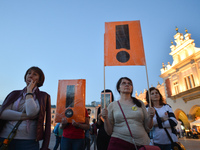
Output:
x=181 y=79
x=53 y=115
x=94 y=107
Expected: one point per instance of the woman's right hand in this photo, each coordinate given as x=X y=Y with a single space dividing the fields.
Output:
x=30 y=86
x=64 y=121
x=104 y=113
x=108 y=127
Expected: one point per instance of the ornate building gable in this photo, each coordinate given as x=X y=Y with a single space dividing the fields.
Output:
x=182 y=78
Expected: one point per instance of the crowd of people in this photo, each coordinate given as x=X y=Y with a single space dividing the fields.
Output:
x=125 y=124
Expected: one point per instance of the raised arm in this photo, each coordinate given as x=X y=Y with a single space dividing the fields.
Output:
x=107 y=125
x=151 y=113
x=148 y=116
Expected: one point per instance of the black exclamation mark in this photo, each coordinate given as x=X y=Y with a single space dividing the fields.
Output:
x=70 y=100
x=122 y=41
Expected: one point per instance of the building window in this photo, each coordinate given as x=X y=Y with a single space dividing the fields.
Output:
x=193 y=80
x=186 y=83
x=176 y=87
x=189 y=82
x=52 y=116
x=53 y=111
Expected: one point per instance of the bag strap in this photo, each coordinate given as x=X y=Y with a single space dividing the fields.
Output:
x=127 y=124
x=125 y=118
x=12 y=134
x=170 y=138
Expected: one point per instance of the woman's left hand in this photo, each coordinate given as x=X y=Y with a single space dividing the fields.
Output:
x=151 y=112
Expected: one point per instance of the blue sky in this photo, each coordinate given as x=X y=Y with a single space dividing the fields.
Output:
x=66 y=40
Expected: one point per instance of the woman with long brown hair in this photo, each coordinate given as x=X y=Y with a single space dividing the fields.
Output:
x=164 y=118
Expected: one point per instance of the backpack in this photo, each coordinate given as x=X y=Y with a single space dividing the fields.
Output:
x=55 y=130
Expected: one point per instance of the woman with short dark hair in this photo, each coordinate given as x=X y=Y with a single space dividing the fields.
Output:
x=139 y=120
x=31 y=106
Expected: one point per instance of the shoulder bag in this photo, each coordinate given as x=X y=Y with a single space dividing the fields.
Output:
x=143 y=147
x=175 y=145
x=6 y=142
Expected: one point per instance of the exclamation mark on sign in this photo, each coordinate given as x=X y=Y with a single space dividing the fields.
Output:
x=70 y=95
x=122 y=41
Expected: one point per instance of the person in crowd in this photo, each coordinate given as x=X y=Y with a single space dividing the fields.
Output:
x=103 y=138
x=178 y=133
x=58 y=133
x=31 y=106
x=73 y=133
x=166 y=120
x=195 y=133
x=183 y=133
x=93 y=133
x=190 y=133
x=140 y=121
x=87 y=134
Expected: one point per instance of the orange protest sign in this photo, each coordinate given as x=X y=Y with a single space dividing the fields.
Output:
x=123 y=44
x=71 y=100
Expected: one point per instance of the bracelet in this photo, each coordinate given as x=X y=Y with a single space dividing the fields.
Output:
x=29 y=94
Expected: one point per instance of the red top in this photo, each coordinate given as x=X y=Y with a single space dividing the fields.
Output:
x=72 y=132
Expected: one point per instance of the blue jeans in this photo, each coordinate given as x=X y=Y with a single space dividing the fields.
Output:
x=72 y=144
x=87 y=143
x=164 y=146
x=93 y=140
x=18 y=144
x=58 y=140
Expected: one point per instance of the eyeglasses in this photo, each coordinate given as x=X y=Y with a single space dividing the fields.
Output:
x=128 y=83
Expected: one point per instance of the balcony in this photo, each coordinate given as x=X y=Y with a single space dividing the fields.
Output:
x=188 y=95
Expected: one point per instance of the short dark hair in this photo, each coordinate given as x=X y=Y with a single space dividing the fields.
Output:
x=161 y=101
x=88 y=109
x=40 y=72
